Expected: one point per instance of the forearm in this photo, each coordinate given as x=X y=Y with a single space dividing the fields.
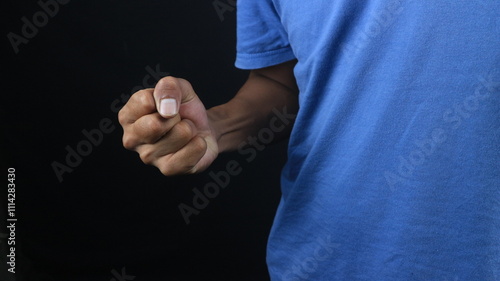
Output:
x=253 y=108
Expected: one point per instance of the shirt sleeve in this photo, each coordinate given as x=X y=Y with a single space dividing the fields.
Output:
x=261 y=38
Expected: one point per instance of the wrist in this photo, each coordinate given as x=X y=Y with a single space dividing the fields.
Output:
x=216 y=116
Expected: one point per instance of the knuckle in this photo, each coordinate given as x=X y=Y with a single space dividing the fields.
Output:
x=184 y=131
x=122 y=117
x=143 y=98
x=153 y=125
x=147 y=157
x=166 y=172
x=129 y=142
x=185 y=83
x=166 y=168
x=167 y=82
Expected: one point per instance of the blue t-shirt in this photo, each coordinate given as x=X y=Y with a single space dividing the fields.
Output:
x=393 y=168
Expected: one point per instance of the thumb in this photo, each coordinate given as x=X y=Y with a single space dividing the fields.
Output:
x=169 y=95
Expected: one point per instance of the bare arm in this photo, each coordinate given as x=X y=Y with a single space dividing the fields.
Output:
x=250 y=110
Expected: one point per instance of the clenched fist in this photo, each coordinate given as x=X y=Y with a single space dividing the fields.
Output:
x=169 y=128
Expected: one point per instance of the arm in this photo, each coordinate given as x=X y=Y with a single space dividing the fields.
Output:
x=169 y=127
x=250 y=110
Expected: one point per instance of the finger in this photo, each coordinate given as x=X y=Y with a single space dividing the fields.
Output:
x=150 y=128
x=141 y=103
x=178 y=137
x=170 y=93
x=183 y=161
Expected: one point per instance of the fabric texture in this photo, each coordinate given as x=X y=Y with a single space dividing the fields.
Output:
x=393 y=169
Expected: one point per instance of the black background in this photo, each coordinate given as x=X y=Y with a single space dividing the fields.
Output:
x=112 y=211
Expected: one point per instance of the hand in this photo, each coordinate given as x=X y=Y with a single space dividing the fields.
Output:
x=169 y=128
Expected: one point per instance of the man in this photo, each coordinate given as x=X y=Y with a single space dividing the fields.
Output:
x=393 y=168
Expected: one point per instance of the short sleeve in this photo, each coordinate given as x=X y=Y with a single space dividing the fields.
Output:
x=261 y=38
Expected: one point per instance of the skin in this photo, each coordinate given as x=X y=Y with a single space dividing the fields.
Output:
x=171 y=129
